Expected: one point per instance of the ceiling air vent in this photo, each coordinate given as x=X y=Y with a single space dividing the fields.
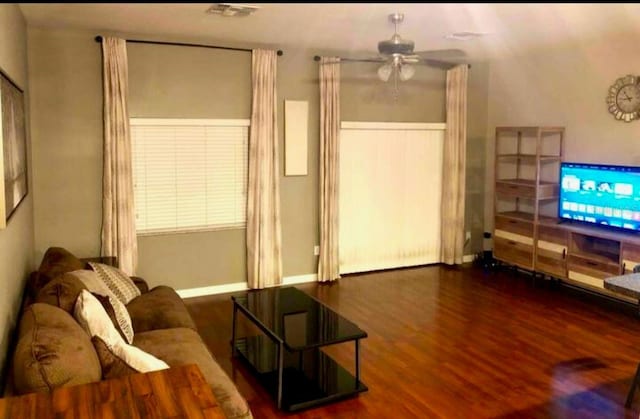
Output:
x=465 y=36
x=232 y=9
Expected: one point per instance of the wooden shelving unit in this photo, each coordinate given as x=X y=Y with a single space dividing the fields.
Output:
x=526 y=175
x=527 y=232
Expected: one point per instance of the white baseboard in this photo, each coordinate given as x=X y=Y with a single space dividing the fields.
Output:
x=299 y=279
x=468 y=258
x=240 y=286
x=212 y=290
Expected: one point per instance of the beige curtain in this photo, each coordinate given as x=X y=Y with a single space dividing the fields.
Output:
x=328 y=263
x=118 y=215
x=264 y=261
x=453 y=175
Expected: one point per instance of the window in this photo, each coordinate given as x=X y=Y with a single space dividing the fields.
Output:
x=189 y=174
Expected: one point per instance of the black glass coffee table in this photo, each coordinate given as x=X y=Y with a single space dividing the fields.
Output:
x=287 y=359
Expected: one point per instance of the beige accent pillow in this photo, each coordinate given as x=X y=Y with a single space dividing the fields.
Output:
x=118 y=282
x=96 y=322
x=92 y=281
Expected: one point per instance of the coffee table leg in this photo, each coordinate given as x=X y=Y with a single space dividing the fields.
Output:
x=233 y=330
x=357 y=362
x=280 y=370
x=632 y=389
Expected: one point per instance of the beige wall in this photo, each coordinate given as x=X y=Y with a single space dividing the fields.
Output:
x=65 y=75
x=179 y=82
x=566 y=86
x=477 y=99
x=16 y=241
x=167 y=81
x=365 y=98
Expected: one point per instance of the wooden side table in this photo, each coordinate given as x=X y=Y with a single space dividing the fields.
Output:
x=175 y=392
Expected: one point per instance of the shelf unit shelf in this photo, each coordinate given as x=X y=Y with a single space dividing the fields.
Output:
x=543 y=159
x=611 y=259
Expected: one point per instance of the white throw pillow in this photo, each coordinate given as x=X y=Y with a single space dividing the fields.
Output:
x=92 y=281
x=96 y=322
x=118 y=282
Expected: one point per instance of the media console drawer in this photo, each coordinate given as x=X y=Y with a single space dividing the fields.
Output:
x=593 y=268
x=515 y=188
x=551 y=258
x=514 y=252
x=586 y=279
x=521 y=227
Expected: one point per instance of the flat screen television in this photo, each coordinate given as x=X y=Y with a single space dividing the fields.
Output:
x=603 y=195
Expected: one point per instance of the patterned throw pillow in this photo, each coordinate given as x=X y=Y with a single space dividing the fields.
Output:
x=118 y=282
x=121 y=318
x=107 y=304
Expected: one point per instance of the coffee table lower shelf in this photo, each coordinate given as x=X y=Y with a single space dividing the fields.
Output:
x=310 y=378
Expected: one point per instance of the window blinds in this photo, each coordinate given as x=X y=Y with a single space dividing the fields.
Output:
x=189 y=174
x=390 y=195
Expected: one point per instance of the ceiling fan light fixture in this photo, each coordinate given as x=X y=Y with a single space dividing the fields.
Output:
x=384 y=72
x=406 y=72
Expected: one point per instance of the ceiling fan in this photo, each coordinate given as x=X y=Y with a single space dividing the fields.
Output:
x=397 y=55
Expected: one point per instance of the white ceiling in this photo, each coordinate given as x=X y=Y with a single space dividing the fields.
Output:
x=341 y=27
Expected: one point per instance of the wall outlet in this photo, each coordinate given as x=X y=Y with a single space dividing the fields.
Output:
x=316 y=250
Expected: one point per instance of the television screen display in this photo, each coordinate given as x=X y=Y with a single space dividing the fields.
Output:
x=605 y=195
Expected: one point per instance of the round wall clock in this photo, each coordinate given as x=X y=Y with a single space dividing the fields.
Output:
x=624 y=98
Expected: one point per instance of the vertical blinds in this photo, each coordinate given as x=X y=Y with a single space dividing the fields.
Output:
x=189 y=174
x=390 y=195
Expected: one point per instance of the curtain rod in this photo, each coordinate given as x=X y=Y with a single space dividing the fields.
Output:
x=181 y=44
x=317 y=58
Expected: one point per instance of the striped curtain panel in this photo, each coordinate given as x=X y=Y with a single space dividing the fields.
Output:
x=118 y=214
x=454 y=162
x=328 y=262
x=264 y=248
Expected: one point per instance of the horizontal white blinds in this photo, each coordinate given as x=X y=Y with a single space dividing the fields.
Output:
x=189 y=174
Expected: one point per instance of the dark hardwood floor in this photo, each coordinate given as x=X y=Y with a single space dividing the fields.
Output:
x=461 y=343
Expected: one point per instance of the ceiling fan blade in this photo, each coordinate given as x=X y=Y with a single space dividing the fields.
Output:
x=441 y=53
x=365 y=60
x=438 y=64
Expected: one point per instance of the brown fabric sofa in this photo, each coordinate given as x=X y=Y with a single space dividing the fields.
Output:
x=53 y=350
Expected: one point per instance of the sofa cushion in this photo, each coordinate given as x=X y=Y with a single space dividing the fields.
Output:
x=52 y=351
x=57 y=261
x=160 y=308
x=61 y=292
x=182 y=346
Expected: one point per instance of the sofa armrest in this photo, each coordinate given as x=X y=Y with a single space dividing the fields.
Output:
x=141 y=284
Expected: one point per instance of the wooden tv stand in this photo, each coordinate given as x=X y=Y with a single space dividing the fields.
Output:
x=583 y=255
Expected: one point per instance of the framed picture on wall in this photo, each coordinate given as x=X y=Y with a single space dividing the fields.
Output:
x=14 y=188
